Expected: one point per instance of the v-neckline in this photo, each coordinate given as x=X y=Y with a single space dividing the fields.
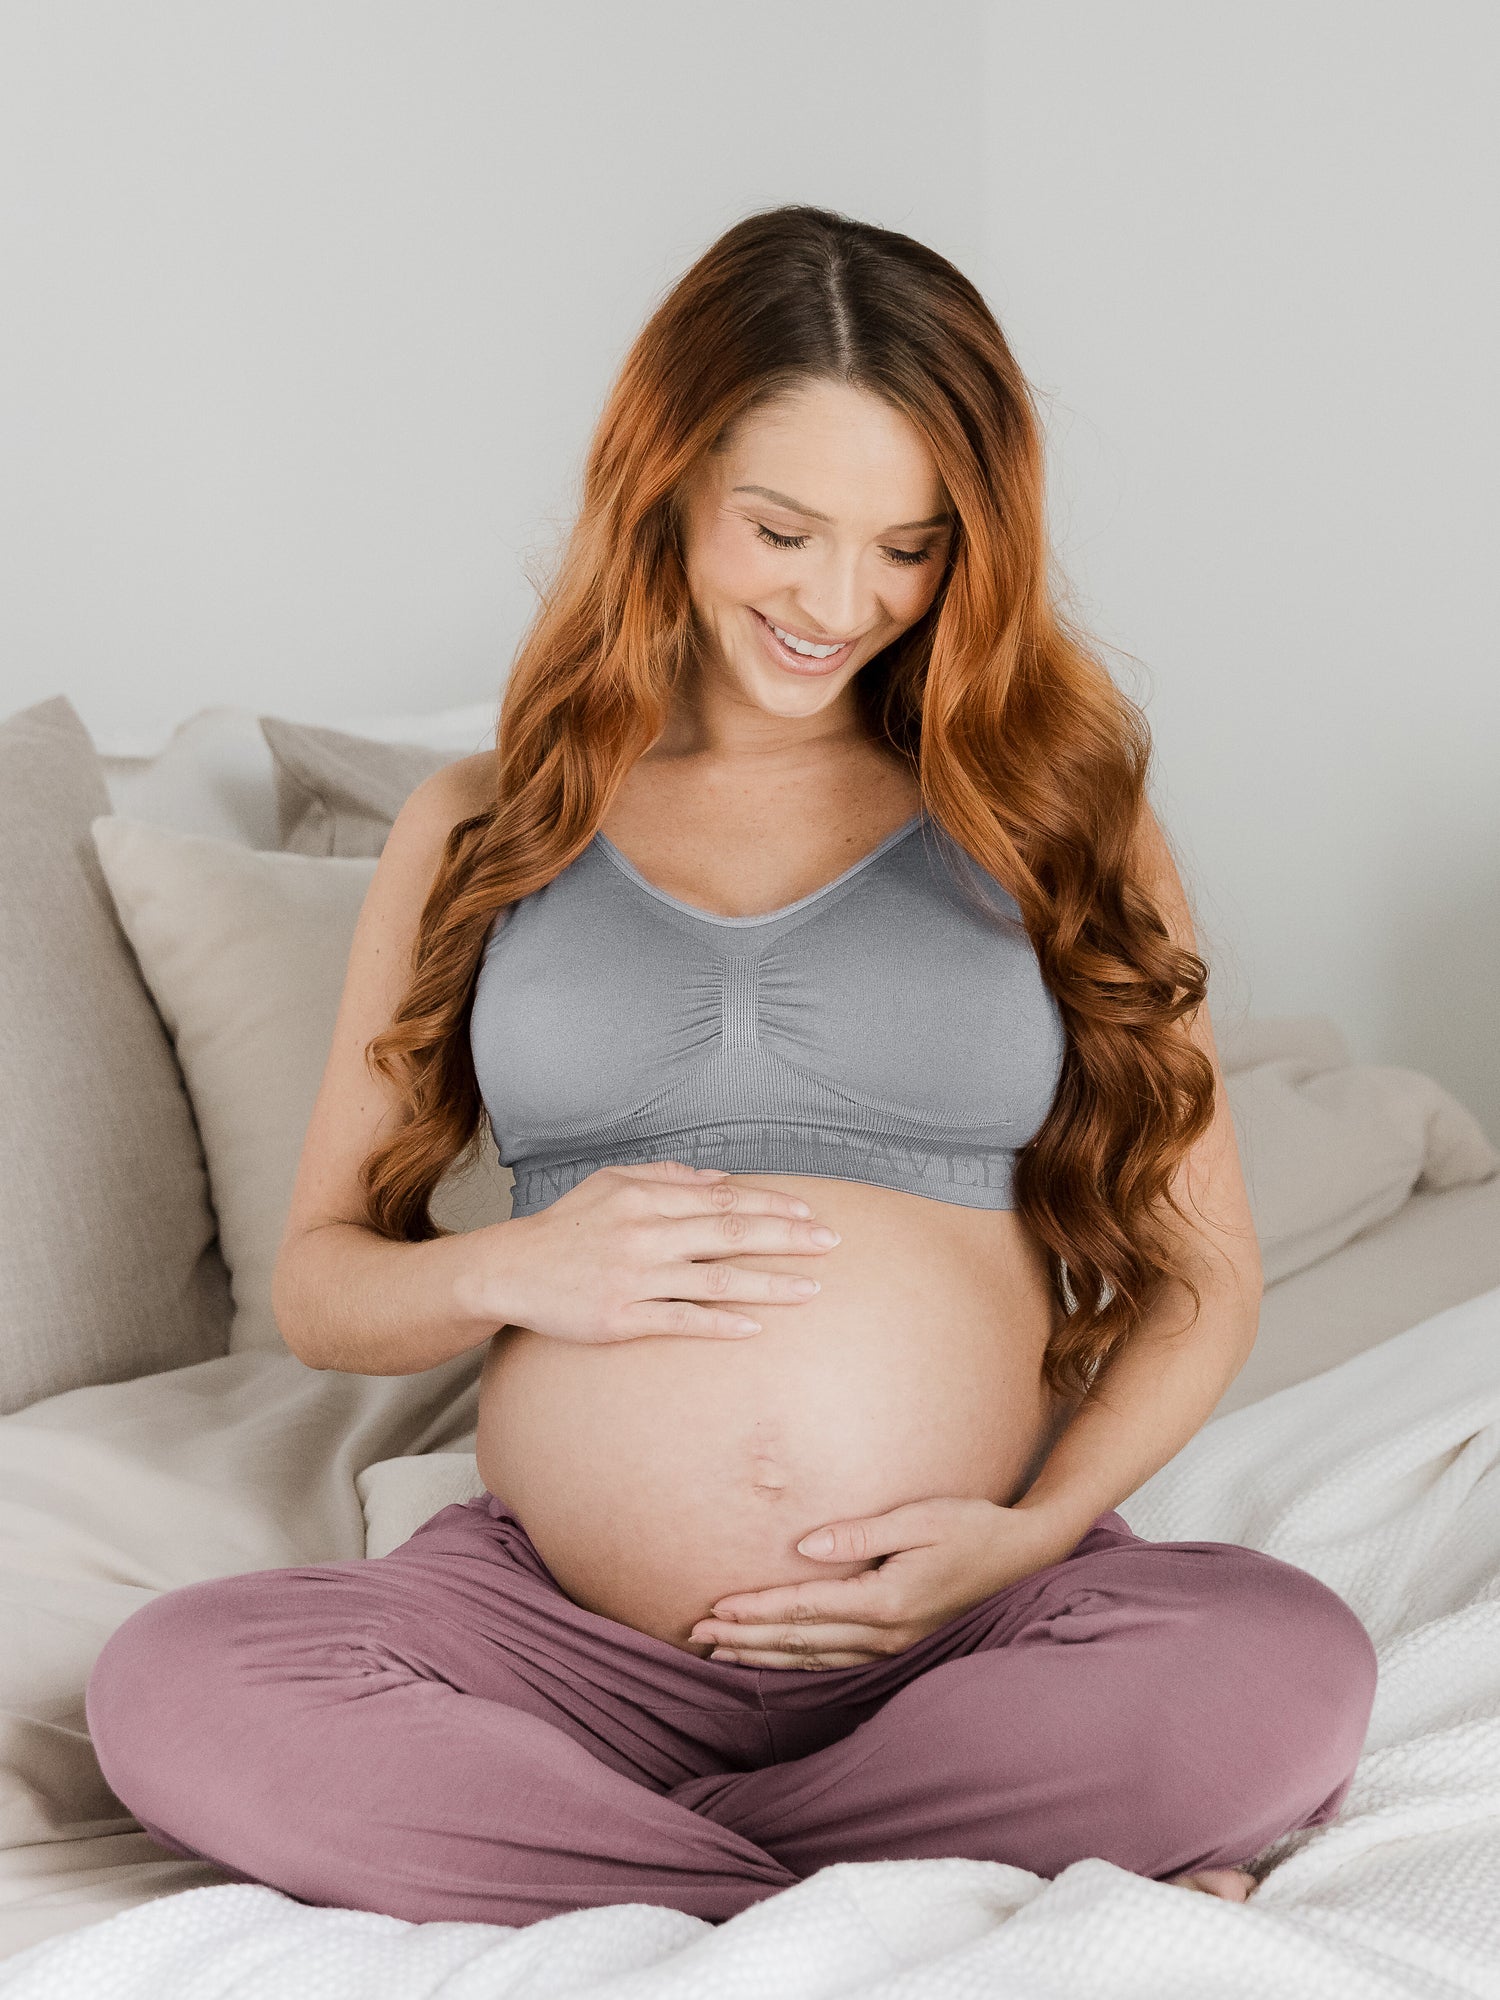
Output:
x=629 y=868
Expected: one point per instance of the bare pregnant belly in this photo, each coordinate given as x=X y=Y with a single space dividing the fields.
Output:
x=657 y=1475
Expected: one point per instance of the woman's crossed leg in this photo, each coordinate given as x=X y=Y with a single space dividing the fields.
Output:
x=442 y=1734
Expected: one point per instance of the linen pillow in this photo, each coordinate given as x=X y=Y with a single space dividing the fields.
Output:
x=108 y=1262
x=338 y=794
x=1328 y=1154
x=245 y=953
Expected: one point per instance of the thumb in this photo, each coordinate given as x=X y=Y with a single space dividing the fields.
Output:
x=876 y=1535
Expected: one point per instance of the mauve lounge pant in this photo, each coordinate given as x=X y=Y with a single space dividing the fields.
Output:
x=442 y=1733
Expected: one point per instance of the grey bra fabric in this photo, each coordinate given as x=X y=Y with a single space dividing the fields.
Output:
x=892 y=1027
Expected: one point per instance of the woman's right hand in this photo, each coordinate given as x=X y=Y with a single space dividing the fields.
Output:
x=632 y=1249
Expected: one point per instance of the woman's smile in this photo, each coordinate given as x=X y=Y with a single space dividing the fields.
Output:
x=798 y=663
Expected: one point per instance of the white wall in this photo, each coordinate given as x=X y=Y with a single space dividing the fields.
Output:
x=1248 y=257
x=310 y=305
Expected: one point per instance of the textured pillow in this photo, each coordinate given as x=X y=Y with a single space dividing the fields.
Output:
x=245 y=953
x=108 y=1263
x=338 y=794
x=1329 y=1153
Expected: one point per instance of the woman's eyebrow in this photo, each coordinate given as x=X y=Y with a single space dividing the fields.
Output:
x=796 y=506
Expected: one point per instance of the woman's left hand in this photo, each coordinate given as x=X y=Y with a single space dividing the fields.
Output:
x=940 y=1557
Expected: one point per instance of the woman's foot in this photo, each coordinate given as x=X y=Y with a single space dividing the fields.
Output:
x=1233 y=1884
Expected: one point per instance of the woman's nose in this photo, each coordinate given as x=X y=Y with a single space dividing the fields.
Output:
x=837 y=603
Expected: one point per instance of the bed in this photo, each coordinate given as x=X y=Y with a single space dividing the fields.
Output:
x=1359 y=1440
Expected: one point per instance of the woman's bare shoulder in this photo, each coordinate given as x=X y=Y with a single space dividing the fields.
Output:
x=458 y=791
x=474 y=778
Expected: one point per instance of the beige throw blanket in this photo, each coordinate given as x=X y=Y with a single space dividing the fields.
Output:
x=111 y=1493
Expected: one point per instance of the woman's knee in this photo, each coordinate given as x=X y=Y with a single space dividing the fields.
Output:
x=186 y=1696
x=153 y=1670
x=1308 y=1651
x=1279 y=1674
x=1229 y=1702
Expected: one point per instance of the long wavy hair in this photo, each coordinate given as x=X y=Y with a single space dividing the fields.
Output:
x=1025 y=750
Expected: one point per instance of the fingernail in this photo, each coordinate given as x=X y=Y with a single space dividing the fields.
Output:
x=807 y=1286
x=820 y=1544
x=822 y=1234
x=800 y=1208
x=719 y=1653
x=748 y=1325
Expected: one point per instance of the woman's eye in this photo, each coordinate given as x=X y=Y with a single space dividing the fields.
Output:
x=903 y=558
x=779 y=541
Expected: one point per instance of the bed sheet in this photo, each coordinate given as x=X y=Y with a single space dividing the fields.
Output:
x=1441 y=1247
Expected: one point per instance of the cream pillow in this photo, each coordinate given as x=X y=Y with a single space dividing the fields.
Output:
x=245 y=954
x=1328 y=1154
x=399 y=1494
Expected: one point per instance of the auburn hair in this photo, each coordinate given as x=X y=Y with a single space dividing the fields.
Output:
x=1024 y=748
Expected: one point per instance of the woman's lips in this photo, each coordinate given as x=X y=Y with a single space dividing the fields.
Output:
x=799 y=663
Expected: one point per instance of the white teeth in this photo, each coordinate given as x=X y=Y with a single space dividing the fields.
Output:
x=801 y=645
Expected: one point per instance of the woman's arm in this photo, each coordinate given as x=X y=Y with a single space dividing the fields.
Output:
x=348 y=1299
x=1161 y=1386
x=344 y=1296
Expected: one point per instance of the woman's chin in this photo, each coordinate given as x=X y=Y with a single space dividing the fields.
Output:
x=791 y=695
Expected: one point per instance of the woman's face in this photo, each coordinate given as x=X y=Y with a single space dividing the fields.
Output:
x=821 y=517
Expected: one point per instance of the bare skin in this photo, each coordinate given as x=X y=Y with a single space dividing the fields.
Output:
x=658 y=1474
x=1234 y=1885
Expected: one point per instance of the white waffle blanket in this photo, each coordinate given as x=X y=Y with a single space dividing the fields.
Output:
x=1380 y=1477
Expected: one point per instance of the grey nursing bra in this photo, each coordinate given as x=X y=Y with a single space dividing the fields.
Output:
x=892 y=1027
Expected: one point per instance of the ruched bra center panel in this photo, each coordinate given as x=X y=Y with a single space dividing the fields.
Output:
x=894 y=1009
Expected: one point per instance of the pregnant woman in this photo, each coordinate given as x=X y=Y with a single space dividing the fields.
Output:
x=810 y=949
